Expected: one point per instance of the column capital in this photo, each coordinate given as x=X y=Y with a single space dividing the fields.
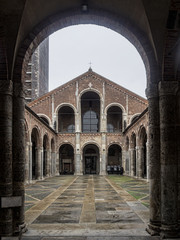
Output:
x=6 y=87
x=18 y=90
x=168 y=88
x=152 y=90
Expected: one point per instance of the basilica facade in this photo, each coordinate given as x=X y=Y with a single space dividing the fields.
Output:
x=90 y=125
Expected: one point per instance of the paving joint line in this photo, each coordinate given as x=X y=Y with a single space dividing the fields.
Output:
x=34 y=212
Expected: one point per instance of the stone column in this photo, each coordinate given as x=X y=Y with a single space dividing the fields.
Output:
x=154 y=159
x=48 y=163
x=131 y=161
x=18 y=155
x=57 y=163
x=78 y=161
x=53 y=163
x=6 y=155
x=124 y=159
x=40 y=163
x=133 y=158
x=30 y=162
x=103 y=160
x=169 y=163
x=26 y=173
x=147 y=157
x=140 y=160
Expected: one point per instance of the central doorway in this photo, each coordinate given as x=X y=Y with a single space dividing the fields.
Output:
x=91 y=159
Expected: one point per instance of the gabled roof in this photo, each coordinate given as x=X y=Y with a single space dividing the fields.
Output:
x=89 y=73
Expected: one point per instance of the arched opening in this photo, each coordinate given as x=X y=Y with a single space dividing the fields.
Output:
x=143 y=153
x=34 y=142
x=45 y=156
x=127 y=167
x=117 y=25
x=91 y=159
x=90 y=112
x=66 y=120
x=133 y=119
x=114 y=159
x=133 y=155
x=66 y=159
x=53 y=157
x=114 y=119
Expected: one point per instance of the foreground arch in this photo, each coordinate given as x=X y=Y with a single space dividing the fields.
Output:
x=157 y=42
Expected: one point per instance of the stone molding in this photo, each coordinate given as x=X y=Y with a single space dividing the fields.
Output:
x=18 y=90
x=6 y=87
x=168 y=88
x=152 y=90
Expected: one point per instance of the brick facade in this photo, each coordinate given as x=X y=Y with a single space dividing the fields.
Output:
x=64 y=110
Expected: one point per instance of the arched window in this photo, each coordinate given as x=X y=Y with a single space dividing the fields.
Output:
x=114 y=119
x=45 y=119
x=90 y=109
x=91 y=159
x=66 y=120
x=34 y=141
x=66 y=159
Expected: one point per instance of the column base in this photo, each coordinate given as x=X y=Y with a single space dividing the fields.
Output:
x=78 y=174
x=170 y=231
x=153 y=230
x=21 y=229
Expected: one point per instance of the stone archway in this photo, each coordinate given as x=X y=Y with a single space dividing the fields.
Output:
x=114 y=163
x=142 y=165
x=66 y=159
x=35 y=161
x=18 y=104
x=91 y=159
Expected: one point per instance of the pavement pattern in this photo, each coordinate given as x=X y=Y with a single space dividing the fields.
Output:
x=88 y=207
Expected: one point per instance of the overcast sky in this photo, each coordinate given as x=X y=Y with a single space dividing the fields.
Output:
x=112 y=56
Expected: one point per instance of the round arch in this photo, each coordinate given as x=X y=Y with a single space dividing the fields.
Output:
x=99 y=17
x=114 y=117
x=90 y=103
x=91 y=158
x=132 y=119
x=35 y=144
x=66 y=159
x=65 y=105
x=142 y=152
x=114 y=104
x=58 y=108
x=36 y=128
x=114 y=158
x=47 y=119
x=90 y=90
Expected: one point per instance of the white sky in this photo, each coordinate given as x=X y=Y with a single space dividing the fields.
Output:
x=112 y=56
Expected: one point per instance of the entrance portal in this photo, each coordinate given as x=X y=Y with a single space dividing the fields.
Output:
x=66 y=159
x=91 y=159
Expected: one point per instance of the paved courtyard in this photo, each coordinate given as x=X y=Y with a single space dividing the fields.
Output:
x=87 y=207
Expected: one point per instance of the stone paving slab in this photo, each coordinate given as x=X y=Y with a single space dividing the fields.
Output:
x=90 y=238
x=85 y=207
